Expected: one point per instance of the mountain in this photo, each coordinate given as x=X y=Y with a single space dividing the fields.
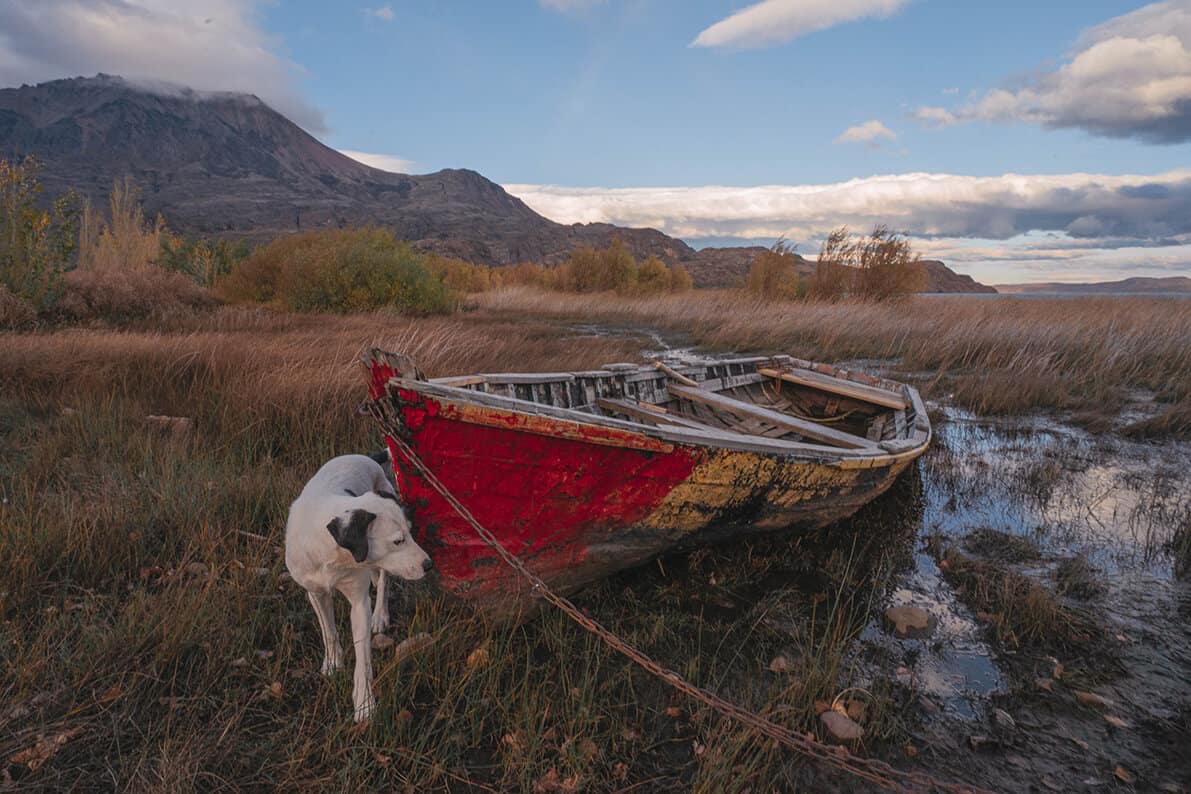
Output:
x=224 y=164
x=1139 y=285
x=228 y=165
x=729 y=267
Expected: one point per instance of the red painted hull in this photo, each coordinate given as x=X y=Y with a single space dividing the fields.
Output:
x=578 y=502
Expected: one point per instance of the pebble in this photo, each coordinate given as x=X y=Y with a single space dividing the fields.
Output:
x=910 y=622
x=841 y=729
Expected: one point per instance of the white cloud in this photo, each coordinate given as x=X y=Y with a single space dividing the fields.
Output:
x=209 y=45
x=383 y=13
x=1002 y=228
x=935 y=117
x=385 y=162
x=778 y=21
x=1129 y=207
x=869 y=133
x=1129 y=77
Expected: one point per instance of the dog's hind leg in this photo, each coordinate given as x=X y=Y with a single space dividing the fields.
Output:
x=357 y=593
x=325 y=611
x=380 y=610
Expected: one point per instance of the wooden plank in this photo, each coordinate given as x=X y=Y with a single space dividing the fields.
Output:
x=899 y=424
x=460 y=381
x=802 y=427
x=678 y=376
x=528 y=377
x=647 y=413
x=845 y=388
x=876 y=428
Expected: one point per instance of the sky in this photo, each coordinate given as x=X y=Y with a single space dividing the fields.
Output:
x=1017 y=141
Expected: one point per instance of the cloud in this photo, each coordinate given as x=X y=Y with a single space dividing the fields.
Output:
x=1130 y=208
x=934 y=117
x=1129 y=77
x=870 y=133
x=778 y=21
x=383 y=13
x=209 y=45
x=385 y=162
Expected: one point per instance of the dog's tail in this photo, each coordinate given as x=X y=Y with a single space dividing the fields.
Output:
x=381 y=457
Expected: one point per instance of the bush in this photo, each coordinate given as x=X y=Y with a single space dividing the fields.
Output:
x=124 y=295
x=592 y=270
x=126 y=241
x=16 y=313
x=881 y=266
x=36 y=246
x=680 y=279
x=653 y=277
x=340 y=270
x=204 y=261
x=460 y=275
x=773 y=274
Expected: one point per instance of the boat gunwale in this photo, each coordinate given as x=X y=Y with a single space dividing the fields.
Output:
x=887 y=453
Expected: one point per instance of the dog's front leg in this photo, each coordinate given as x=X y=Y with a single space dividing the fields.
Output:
x=324 y=610
x=380 y=611
x=357 y=594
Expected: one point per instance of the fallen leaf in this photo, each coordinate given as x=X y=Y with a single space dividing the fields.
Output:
x=911 y=751
x=821 y=706
x=479 y=657
x=1116 y=722
x=1124 y=775
x=411 y=645
x=274 y=690
x=381 y=641
x=381 y=759
x=1080 y=743
x=43 y=750
x=857 y=710
x=674 y=712
x=1045 y=684
x=1092 y=699
x=620 y=772
x=588 y=749
x=1051 y=783
x=780 y=664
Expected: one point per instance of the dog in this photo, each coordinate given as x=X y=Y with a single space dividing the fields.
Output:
x=345 y=531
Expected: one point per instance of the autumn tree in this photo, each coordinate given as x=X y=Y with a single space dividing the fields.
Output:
x=36 y=245
x=773 y=273
x=653 y=276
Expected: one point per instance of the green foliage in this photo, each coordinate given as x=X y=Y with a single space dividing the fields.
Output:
x=204 y=261
x=340 y=270
x=773 y=274
x=36 y=246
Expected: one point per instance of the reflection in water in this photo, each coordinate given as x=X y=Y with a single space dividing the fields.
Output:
x=1116 y=502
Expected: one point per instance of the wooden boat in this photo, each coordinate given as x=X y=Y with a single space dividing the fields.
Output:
x=581 y=474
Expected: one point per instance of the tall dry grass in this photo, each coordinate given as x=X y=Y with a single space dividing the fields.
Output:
x=997 y=355
x=145 y=622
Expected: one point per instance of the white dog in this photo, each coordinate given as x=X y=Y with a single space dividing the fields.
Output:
x=346 y=530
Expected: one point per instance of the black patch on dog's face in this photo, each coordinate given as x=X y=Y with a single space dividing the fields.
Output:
x=350 y=492
x=390 y=496
x=353 y=535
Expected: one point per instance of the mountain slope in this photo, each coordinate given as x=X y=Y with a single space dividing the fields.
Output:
x=227 y=164
x=1138 y=285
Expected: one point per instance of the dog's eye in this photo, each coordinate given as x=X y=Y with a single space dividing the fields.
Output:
x=398 y=538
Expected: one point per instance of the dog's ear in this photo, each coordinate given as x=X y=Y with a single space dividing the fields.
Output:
x=353 y=535
x=389 y=496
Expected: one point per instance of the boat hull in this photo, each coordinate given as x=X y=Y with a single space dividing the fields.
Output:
x=576 y=503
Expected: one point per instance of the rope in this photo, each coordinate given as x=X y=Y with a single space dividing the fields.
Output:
x=869 y=769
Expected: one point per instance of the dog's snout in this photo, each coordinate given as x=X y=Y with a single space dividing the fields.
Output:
x=427 y=564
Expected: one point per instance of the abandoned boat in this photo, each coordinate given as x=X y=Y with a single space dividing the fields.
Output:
x=581 y=474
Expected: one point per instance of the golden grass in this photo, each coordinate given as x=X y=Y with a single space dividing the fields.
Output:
x=145 y=620
x=997 y=355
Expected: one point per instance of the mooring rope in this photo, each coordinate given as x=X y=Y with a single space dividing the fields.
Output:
x=872 y=770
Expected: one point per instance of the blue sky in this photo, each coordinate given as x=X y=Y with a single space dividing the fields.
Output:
x=1018 y=141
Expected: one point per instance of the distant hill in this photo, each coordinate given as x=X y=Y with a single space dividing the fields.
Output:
x=1139 y=285
x=227 y=165
x=729 y=267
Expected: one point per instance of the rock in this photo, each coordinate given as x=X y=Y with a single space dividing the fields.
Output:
x=381 y=641
x=781 y=664
x=840 y=728
x=910 y=621
x=1003 y=720
x=1093 y=700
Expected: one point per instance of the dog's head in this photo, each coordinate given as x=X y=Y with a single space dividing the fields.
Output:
x=376 y=533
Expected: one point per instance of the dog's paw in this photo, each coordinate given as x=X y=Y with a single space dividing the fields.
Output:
x=380 y=622
x=365 y=709
x=331 y=666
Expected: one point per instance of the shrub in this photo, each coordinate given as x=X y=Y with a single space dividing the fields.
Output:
x=880 y=266
x=340 y=270
x=36 y=245
x=123 y=295
x=16 y=313
x=204 y=261
x=680 y=279
x=592 y=270
x=653 y=277
x=773 y=274
x=460 y=275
